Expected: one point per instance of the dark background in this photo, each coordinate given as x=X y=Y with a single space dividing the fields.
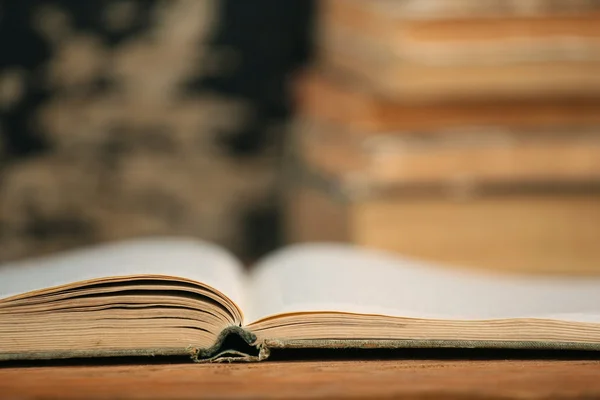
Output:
x=270 y=40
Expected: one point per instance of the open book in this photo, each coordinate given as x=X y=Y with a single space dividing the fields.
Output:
x=167 y=296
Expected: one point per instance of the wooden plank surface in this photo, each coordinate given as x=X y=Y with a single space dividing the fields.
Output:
x=413 y=379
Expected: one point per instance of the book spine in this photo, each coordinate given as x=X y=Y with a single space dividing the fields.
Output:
x=234 y=344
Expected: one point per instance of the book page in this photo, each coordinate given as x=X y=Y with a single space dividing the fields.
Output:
x=185 y=258
x=323 y=278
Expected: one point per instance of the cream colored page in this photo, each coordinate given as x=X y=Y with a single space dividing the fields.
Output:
x=342 y=278
x=185 y=258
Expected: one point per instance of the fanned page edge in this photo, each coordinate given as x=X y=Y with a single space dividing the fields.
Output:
x=265 y=347
x=143 y=258
x=423 y=344
x=218 y=352
x=183 y=257
x=256 y=351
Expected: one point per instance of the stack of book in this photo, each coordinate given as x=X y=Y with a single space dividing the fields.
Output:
x=466 y=132
x=418 y=50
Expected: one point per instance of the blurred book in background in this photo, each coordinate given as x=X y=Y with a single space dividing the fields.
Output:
x=442 y=50
x=468 y=135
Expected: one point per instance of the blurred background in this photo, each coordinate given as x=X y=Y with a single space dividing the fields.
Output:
x=122 y=118
x=459 y=131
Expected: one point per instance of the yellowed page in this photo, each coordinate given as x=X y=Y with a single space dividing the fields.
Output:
x=331 y=277
x=178 y=257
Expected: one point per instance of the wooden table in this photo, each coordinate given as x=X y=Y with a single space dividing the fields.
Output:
x=413 y=379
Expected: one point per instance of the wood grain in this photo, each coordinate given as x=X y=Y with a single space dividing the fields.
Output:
x=411 y=379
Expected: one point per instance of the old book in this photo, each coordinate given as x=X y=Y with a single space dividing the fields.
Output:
x=331 y=99
x=172 y=296
x=443 y=9
x=527 y=230
x=464 y=58
x=406 y=81
x=460 y=155
x=486 y=197
x=474 y=40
